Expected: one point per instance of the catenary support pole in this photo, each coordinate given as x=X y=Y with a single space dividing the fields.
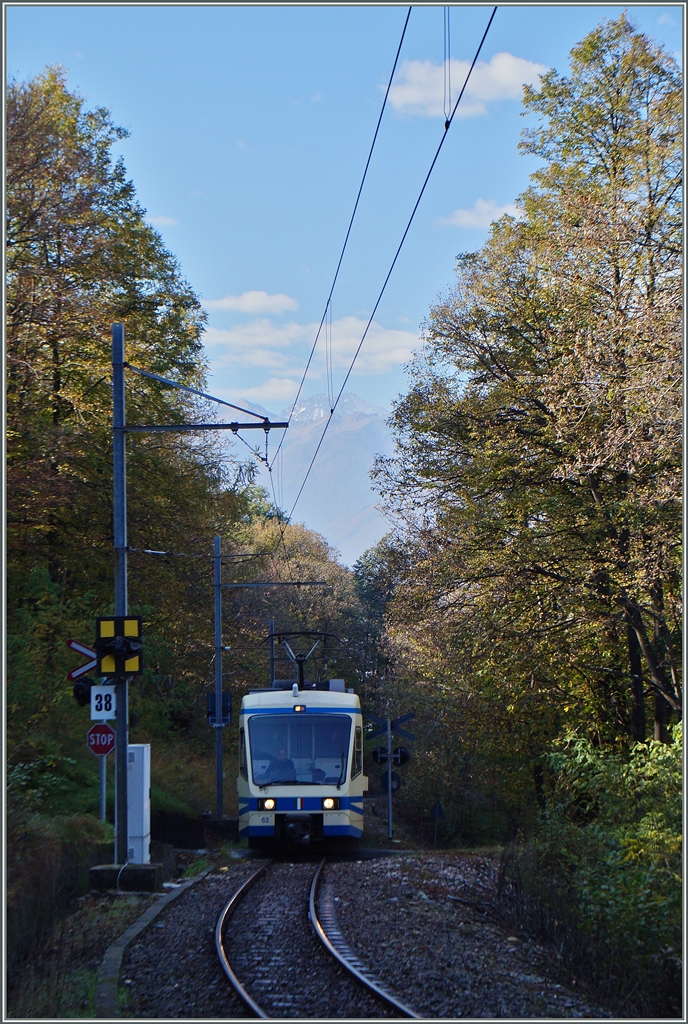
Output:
x=389 y=778
x=217 y=579
x=272 y=651
x=120 y=533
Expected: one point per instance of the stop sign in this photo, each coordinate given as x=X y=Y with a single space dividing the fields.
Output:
x=100 y=739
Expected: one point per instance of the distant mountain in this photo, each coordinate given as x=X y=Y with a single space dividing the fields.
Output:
x=337 y=500
x=254 y=407
x=318 y=408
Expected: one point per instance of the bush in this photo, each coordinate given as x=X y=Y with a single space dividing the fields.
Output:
x=600 y=878
x=48 y=860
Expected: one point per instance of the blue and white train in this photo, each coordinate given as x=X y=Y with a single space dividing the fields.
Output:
x=301 y=764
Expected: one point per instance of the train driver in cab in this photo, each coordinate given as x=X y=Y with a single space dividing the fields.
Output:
x=281 y=769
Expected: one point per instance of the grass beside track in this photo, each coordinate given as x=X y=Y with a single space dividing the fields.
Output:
x=59 y=982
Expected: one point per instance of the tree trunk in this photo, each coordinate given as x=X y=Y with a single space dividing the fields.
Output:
x=660 y=703
x=655 y=666
x=539 y=780
x=635 y=660
x=660 y=718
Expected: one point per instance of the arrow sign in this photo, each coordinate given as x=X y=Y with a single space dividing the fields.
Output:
x=402 y=732
x=88 y=652
x=76 y=645
x=382 y=722
x=376 y=719
x=82 y=671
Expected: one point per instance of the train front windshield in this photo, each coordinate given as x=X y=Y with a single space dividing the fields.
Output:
x=299 y=749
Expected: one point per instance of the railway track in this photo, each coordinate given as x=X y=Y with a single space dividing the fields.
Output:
x=282 y=966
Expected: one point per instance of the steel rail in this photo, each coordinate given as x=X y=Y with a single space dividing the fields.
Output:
x=238 y=987
x=359 y=973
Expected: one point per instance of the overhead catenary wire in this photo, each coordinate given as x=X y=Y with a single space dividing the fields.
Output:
x=446 y=109
x=193 y=391
x=280 y=479
x=323 y=322
x=328 y=358
x=328 y=304
x=281 y=527
x=393 y=264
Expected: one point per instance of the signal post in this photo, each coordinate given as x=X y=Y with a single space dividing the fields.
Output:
x=124 y=669
x=385 y=755
x=119 y=484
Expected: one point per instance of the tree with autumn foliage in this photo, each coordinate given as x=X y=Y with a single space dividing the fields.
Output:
x=536 y=620
x=538 y=449
x=80 y=257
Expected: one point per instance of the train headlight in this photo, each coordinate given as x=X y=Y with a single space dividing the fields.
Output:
x=330 y=803
x=266 y=805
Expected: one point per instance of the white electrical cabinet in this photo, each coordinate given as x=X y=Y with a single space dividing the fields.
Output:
x=138 y=800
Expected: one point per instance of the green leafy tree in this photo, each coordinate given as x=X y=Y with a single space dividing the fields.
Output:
x=601 y=874
x=81 y=256
x=376 y=574
x=538 y=451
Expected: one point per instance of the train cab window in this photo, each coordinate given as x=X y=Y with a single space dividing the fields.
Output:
x=357 y=763
x=242 y=754
x=295 y=749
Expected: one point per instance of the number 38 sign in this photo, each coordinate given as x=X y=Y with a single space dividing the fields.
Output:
x=103 y=702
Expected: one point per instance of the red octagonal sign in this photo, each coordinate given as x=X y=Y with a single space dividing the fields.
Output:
x=100 y=739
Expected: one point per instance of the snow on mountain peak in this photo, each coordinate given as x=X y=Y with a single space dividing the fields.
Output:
x=309 y=410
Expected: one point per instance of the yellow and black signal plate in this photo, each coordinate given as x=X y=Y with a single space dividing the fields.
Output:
x=119 y=645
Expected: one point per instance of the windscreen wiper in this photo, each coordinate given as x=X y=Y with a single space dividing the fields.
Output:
x=343 y=770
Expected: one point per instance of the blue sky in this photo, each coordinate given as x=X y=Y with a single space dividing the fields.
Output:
x=250 y=127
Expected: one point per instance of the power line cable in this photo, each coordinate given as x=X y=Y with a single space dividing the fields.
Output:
x=396 y=256
x=281 y=526
x=446 y=110
x=348 y=232
x=324 y=319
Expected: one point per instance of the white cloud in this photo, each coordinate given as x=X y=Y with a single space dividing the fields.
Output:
x=163 y=222
x=420 y=89
x=262 y=344
x=254 y=302
x=382 y=350
x=663 y=19
x=276 y=389
x=481 y=214
x=258 y=343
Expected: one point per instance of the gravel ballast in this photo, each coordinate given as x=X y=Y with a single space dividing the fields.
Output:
x=173 y=970
x=423 y=923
